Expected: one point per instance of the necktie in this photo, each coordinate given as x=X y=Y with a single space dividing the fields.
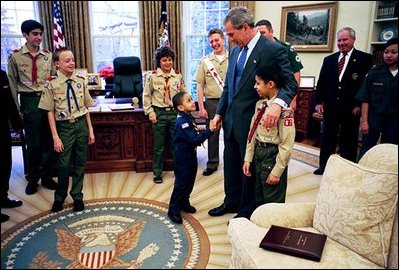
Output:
x=257 y=120
x=240 y=66
x=70 y=90
x=34 y=68
x=341 y=64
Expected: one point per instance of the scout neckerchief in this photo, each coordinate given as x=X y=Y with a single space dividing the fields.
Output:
x=257 y=120
x=70 y=89
x=215 y=75
x=34 y=67
x=166 y=95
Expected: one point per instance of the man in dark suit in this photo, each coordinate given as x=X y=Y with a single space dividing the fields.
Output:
x=237 y=105
x=340 y=78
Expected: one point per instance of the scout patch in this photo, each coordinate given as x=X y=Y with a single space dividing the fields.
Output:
x=79 y=85
x=288 y=122
x=62 y=115
x=287 y=113
x=185 y=125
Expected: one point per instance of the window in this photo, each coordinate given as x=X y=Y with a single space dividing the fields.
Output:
x=114 y=31
x=13 y=13
x=202 y=16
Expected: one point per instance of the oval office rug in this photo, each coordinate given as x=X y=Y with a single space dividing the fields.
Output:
x=109 y=233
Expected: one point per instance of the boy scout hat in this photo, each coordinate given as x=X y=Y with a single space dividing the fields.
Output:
x=391 y=42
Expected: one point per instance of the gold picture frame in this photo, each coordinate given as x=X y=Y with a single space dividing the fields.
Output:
x=81 y=71
x=93 y=81
x=309 y=28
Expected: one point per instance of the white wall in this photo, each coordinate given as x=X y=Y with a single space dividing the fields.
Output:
x=357 y=15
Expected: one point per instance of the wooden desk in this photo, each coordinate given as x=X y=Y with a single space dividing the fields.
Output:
x=124 y=141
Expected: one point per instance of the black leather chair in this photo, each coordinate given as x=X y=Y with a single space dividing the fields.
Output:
x=128 y=78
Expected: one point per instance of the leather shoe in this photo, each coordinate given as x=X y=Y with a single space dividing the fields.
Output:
x=189 y=209
x=49 y=183
x=208 y=171
x=175 y=218
x=78 y=205
x=318 y=172
x=158 y=179
x=221 y=210
x=4 y=217
x=8 y=203
x=57 y=206
x=31 y=188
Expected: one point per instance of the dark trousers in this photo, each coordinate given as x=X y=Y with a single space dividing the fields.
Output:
x=384 y=125
x=239 y=189
x=5 y=168
x=74 y=137
x=185 y=167
x=347 y=126
x=163 y=133
x=213 y=141
x=264 y=160
x=40 y=151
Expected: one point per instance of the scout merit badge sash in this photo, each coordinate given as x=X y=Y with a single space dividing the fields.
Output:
x=219 y=81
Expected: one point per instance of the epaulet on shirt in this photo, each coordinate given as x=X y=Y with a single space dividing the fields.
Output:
x=51 y=78
x=80 y=76
x=154 y=72
x=46 y=51
x=14 y=51
x=177 y=72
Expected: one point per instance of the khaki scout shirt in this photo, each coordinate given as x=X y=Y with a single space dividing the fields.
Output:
x=203 y=76
x=54 y=97
x=155 y=90
x=283 y=135
x=20 y=71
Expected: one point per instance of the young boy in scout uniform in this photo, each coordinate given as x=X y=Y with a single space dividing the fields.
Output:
x=28 y=70
x=266 y=29
x=269 y=149
x=66 y=99
x=210 y=78
x=379 y=96
x=185 y=141
x=159 y=90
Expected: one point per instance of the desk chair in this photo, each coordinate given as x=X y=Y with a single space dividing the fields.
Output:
x=128 y=80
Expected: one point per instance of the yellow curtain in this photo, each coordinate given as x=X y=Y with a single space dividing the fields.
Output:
x=150 y=12
x=248 y=4
x=75 y=15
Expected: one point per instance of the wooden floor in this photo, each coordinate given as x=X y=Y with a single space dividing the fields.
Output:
x=208 y=193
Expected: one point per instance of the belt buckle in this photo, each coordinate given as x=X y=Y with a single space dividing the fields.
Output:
x=73 y=120
x=168 y=109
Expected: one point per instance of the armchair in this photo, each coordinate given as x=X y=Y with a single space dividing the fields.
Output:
x=127 y=77
x=356 y=208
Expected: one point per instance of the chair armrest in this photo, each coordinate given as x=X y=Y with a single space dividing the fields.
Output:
x=292 y=215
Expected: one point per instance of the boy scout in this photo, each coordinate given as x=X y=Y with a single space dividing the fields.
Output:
x=66 y=99
x=159 y=90
x=266 y=29
x=28 y=70
x=210 y=78
x=269 y=149
x=185 y=141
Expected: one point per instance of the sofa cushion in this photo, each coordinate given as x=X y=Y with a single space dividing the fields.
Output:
x=245 y=237
x=381 y=156
x=356 y=207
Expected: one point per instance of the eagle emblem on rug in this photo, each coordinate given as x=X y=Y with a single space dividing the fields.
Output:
x=98 y=243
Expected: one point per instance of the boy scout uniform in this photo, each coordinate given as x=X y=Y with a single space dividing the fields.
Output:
x=157 y=99
x=27 y=77
x=212 y=95
x=270 y=151
x=296 y=63
x=69 y=99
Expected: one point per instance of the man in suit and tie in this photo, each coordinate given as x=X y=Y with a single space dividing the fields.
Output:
x=237 y=104
x=340 y=78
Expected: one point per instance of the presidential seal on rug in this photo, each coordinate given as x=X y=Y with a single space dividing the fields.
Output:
x=109 y=233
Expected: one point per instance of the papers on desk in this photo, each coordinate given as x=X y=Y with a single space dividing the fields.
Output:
x=122 y=106
x=94 y=109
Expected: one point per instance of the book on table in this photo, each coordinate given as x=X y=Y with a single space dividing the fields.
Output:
x=303 y=244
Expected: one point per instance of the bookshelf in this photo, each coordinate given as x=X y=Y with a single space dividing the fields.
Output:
x=384 y=26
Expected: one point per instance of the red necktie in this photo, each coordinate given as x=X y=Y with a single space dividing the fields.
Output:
x=34 y=67
x=341 y=63
x=257 y=120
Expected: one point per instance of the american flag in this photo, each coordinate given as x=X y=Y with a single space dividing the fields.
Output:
x=58 y=32
x=163 y=32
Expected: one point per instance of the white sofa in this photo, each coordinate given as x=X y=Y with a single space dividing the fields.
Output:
x=356 y=208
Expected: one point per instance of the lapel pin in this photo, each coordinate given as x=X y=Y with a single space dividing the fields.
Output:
x=254 y=61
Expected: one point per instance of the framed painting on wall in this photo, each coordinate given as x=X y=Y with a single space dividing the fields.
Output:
x=309 y=28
